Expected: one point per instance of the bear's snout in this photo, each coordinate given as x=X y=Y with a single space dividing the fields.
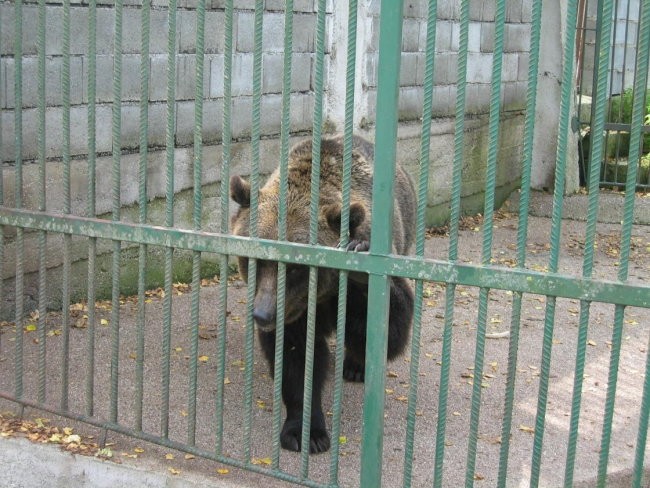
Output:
x=265 y=319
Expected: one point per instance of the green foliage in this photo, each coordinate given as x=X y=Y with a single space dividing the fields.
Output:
x=620 y=111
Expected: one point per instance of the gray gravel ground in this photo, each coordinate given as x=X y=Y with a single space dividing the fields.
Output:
x=630 y=378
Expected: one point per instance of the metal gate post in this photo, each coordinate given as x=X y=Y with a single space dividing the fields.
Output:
x=390 y=43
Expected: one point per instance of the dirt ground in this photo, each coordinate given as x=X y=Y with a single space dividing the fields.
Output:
x=634 y=351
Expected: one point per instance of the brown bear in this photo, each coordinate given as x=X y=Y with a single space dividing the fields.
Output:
x=295 y=318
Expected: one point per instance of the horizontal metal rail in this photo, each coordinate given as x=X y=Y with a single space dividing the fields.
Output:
x=518 y=280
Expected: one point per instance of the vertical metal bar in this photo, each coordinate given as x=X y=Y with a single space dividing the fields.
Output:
x=488 y=212
x=285 y=131
x=223 y=262
x=522 y=232
x=640 y=84
x=20 y=242
x=255 y=185
x=390 y=42
x=196 y=218
x=42 y=272
x=556 y=222
x=423 y=180
x=145 y=14
x=598 y=122
x=67 y=238
x=344 y=235
x=116 y=181
x=169 y=214
x=92 y=245
x=450 y=292
x=2 y=201
x=636 y=142
x=313 y=234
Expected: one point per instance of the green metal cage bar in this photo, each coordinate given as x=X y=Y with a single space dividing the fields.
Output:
x=450 y=291
x=422 y=186
x=42 y=237
x=91 y=210
x=169 y=213
x=18 y=178
x=224 y=205
x=196 y=220
x=601 y=80
x=524 y=280
x=145 y=26
x=522 y=233
x=65 y=292
x=390 y=35
x=640 y=84
x=488 y=222
x=254 y=199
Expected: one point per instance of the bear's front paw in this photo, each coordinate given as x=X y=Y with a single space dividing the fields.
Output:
x=353 y=370
x=358 y=245
x=290 y=438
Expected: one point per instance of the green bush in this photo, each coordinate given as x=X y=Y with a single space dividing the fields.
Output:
x=620 y=111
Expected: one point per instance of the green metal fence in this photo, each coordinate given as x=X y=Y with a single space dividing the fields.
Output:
x=94 y=391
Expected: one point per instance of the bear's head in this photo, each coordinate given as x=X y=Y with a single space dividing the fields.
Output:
x=297 y=230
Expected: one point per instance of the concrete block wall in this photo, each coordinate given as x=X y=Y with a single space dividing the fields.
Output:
x=480 y=55
x=273 y=32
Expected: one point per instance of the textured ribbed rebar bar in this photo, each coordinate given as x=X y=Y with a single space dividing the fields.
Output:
x=313 y=232
x=18 y=179
x=169 y=214
x=488 y=220
x=145 y=16
x=117 y=204
x=423 y=187
x=556 y=222
x=222 y=303
x=636 y=142
x=196 y=219
x=522 y=233
x=255 y=185
x=42 y=272
x=598 y=122
x=67 y=238
x=285 y=130
x=92 y=244
x=225 y=171
x=450 y=292
x=344 y=236
x=640 y=84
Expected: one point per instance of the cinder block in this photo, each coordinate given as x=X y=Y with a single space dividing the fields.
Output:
x=479 y=67
x=523 y=66
x=410 y=103
x=510 y=67
x=105 y=30
x=212 y=122
x=79 y=30
x=273 y=32
x=271 y=110
x=216 y=76
x=187 y=31
x=158 y=32
x=448 y=10
x=304 y=33
x=245 y=40
x=477 y=99
x=132 y=31
x=487 y=37
x=273 y=72
x=409 y=69
x=302 y=109
x=214 y=32
x=241 y=117
x=157 y=121
x=443 y=36
x=445 y=70
x=517 y=38
x=417 y=9
x=242 y=75
x=131 y=77
x=410 y=35
x=514 y=11
x=158 y=77
x=474 y=37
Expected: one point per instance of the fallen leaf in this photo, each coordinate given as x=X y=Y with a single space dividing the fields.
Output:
x=223 y=471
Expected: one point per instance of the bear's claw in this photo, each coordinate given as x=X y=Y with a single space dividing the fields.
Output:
x=357 y=245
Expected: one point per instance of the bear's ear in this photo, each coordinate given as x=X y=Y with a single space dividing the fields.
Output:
x=240 y=191
x=333 y=216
